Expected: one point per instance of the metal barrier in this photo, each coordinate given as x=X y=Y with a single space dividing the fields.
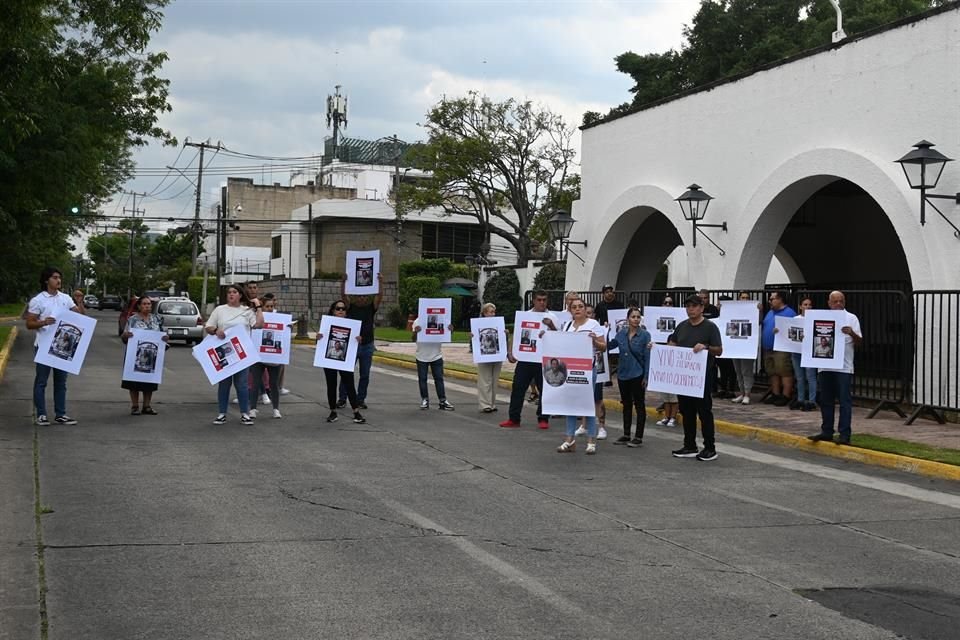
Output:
x=936 y=355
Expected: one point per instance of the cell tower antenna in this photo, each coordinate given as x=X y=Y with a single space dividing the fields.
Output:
x=336 y=117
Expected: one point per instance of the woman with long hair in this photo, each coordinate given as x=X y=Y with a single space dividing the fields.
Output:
x=806 y=376
x=743 y=367
x=142 y=318
x=582 y=324
x=238 y=312
x=632 y=341
x=339 y=310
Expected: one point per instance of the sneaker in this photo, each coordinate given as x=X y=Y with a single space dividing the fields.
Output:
x=795 y=404
x=253 y=414
x=809 y=406
x=363 y=405
x=236 y=401
x=770 y=399
x=65 y=419
x=332 y=417
x=246 y=419
x=707 y=455
x=42 y=421
x=341 y=403
x=276 y=413
x=265 y=398
x=567 y=447
x=781 y=401
x=622 y=440
x=220 y=419
x=284 y=391
x=445 y=406
x=737 y=399
x=671 y=422
x=581 y=431
x=746 y=400
x=543 y=424
x=601 y=435
x=510 y=424
x=821 y=437
x=359 y=419
x=636 y=442
x=684 y=452
x=591 y=448
x=663 y=422
x=424 y=404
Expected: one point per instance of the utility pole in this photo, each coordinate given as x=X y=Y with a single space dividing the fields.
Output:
x=133 y=234
x=196 y=214
x=309 y=264
x=336 y=115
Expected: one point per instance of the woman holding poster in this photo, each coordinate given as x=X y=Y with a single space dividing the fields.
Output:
x=488 y=373
x=581 y=324
x=337 y=348
x=633 y=342
x=806 y=376
x=144 y=318
x=238 y=312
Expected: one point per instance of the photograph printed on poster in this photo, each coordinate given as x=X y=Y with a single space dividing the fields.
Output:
x=226 y=354
x=739 y=329
x=489 y=341
x=65 y=341
x=555 y=373
x=824 y=338
x=146 y=357
x=665 y=324
x=795 y=334
x=364 y=275
x=338 y=343
x=528 y=339
x=599 y=364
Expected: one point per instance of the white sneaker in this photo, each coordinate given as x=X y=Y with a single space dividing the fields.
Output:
x=236 y=401
x=284 y=391
x=737 y=399
x=581 y=431
x=276 y=413
x=265 y=398
x=601 y=435
x=746 y=400
x=671 y=422
x=253 y=413
x=662 y=422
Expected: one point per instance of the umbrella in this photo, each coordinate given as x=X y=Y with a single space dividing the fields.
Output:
x=456 y=291
x=460 y=282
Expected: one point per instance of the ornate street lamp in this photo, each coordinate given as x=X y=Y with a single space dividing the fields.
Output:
x=693 y=204
x=923 y=167
x=560 y=224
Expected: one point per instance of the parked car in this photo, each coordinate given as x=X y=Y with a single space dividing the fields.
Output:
x=110 y=301
x=90 y=301
x=181 y=319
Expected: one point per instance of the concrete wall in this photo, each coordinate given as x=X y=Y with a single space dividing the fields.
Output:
x=292 y=297
x=764 y=144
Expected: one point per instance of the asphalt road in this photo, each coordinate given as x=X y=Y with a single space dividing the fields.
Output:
x=441 y=525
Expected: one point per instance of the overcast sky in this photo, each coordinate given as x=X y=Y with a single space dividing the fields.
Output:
x=255 y=74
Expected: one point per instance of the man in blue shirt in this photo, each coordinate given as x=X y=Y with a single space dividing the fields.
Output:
x=777 y=364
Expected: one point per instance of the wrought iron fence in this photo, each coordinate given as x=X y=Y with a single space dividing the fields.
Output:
x=936 y=354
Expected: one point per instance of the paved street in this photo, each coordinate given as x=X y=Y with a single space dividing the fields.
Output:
x=441 y=525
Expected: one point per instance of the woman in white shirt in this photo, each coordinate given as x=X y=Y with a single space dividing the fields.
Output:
x=582 y=324
x=238 y=312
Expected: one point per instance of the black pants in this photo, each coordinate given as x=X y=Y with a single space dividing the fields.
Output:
x=690 y=410
x=273 y=375
x=347 y=378
x=632 y=396
x=727 y=380
x=523 y=375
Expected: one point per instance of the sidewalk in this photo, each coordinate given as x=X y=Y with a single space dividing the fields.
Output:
x=793 y=425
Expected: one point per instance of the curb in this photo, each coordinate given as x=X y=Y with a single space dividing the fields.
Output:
x=770 y=436
x=7 y=348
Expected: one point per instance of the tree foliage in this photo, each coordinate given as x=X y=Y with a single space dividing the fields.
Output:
x=551 y=277
x=78 y=90
x=730 y=37
x=503 y=290
x=491 y=160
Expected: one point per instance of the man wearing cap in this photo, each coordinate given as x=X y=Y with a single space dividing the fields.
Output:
x=697 y=333
x=609 y=302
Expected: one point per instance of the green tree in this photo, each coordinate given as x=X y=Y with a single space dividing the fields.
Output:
x=730 y=37
x=492 y=161
x=503 y=290
x=78 y=91
x=168 y=260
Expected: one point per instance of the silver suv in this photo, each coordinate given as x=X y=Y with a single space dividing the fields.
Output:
x=181 y=319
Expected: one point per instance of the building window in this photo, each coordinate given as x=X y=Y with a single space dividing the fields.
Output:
x=276 y=246
x=453 y=241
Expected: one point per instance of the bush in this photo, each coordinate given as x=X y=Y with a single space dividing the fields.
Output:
x=439 y=268
x=327 y=275
x=503 y=290
x=551 y=277
x=195 y=288
x=415 y=287
x=396 y=317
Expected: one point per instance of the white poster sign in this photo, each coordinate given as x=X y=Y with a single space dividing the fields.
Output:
x=527 y=326
x=63 y=345
x=362 y=270
x=489 y=339
x=601 y=365
x=823 y=341
x=221 y=358
x=143 y=361
x=677 y=370
x=435 y=319
x=617 y=320
x=567 y=374
x=661 y=321
x=273 y=341
x=337 y=349
x=739 y=329
x=563 y=317
x=789 y=335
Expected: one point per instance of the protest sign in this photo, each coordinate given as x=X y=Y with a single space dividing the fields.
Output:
x=337 y=349
x=435 y=318
x=489 y=339
x=273 y=340
x=63 y=345
x=789 y=335
x=661 y=321
x=362 y=270
x=677 y=370
x=739 y=330
x=220 y=358
x=527 y=326
x=617 y=319
x=143 y=360
x=567 y=374
x=823 y=344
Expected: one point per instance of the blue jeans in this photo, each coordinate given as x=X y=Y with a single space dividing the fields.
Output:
x=806 y=380
x=365 y=358
x=240 y=381
x=436 y=368
x=59 y=390
x=836 y=385
x=591 y=426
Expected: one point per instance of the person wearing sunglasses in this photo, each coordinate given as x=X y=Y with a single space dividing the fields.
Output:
x=339 y=310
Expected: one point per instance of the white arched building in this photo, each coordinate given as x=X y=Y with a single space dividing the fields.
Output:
x=800 y=158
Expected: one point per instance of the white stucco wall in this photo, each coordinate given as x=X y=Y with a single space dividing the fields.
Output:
x=764 y=144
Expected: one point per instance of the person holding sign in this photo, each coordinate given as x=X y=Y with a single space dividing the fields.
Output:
x=488 y=373
x=634 y=342
x=777 y=364
x=529 y=372
x=430 y=356
x=336 y=349
x=837 y=384
x=270 y=370
x=806 y=376
x=144 y=318
x=41 y=313
x=697 y=333
x=238 y=312
x=362 y=308
x=556 y=374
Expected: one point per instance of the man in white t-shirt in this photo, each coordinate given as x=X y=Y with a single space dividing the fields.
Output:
x=837 y=384
x=430 y=356
x=41 y=313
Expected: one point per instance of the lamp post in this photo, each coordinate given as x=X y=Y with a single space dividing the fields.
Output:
x=923 y=167
x=560 y=224
x=694 y=203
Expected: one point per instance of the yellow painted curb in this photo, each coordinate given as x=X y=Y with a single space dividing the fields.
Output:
x=7 y=348
x=770 y=436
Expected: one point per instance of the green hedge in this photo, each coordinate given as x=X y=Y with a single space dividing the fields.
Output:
x=415 y=287
x=503 y=290
x=195 y=287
